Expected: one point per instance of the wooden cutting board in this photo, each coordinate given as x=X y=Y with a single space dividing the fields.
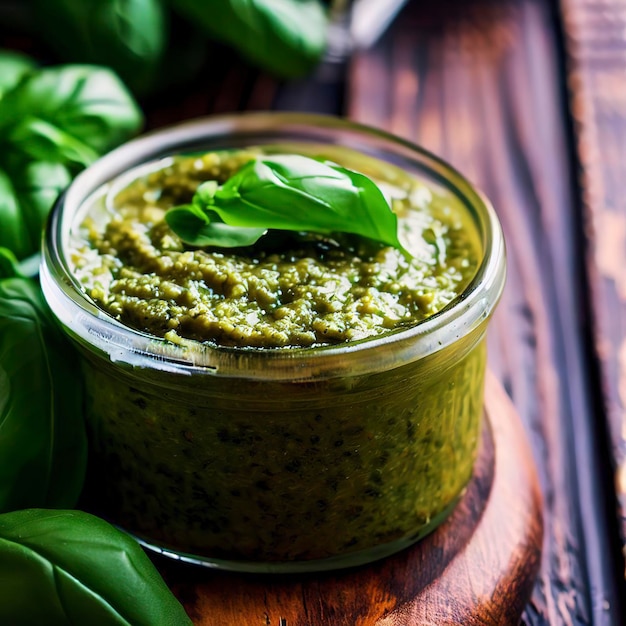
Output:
x=477 y=568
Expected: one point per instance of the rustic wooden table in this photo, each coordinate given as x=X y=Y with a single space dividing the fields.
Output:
x=528 y=99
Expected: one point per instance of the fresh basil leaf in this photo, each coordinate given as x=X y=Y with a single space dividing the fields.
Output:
x=127 y=35
x=39 y=140
x=42 y=439
x=286 y=37
x=13 y=67
x=14 y=233
x=69 y=567
x=88 y=103
x=28 y=189
x=52 y=123
x=194 y=227
x=378 y=224
x=296 y=193
x=9 y=265
x=29 y=267
x=38 y=184
x=205 y=193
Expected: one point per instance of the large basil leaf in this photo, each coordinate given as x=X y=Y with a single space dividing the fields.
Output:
x=13 y=66
x=285 y=192
x=85 y=103
x=286 y=37
x=127 y=35
x=42 y=439
x=27 y=191
x=68 y=567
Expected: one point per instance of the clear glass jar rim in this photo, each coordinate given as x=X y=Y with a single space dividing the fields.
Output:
x=94 y=327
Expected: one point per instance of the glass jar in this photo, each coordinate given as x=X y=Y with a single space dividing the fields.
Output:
x=280 y=460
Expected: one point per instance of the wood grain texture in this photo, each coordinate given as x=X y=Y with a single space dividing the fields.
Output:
x=477 y=568
x=480 y=84
x=596 y=43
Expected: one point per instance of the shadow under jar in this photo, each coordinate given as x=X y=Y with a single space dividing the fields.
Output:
x=281 y=459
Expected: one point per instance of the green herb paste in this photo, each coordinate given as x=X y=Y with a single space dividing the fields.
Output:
x=269 y=473
x=289 y=289
x=275 y=471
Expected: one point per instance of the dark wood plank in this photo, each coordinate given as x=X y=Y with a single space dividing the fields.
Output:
x=477 y=568
x=597 y=79
x=479 y=83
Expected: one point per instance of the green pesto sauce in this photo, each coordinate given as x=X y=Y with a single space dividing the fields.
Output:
x=289 y=289
x=277 y=471
x=280 y=472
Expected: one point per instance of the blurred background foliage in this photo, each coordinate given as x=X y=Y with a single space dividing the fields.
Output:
x=154 y=45
x=62 y=103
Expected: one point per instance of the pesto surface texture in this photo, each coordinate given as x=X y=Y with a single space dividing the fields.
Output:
x=287 y=290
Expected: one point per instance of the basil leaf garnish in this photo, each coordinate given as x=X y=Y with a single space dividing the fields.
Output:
x=205 y=228
x=285 y=192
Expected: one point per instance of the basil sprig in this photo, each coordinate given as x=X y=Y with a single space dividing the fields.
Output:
x=285 y=192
